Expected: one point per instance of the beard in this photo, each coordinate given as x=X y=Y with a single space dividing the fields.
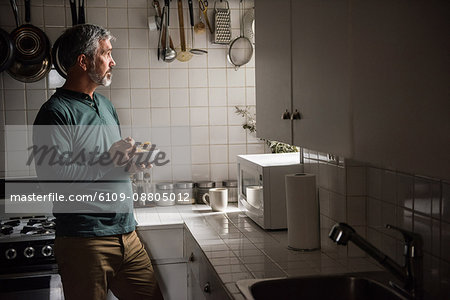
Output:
x=100 y=79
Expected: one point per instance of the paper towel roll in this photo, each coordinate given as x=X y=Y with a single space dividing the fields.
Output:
x=302 y=212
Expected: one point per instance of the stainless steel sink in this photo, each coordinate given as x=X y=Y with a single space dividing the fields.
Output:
x=333 y=287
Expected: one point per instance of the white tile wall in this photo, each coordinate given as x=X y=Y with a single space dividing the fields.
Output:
x=200 y=93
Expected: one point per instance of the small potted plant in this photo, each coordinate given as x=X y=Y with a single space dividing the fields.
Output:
x=250 y=125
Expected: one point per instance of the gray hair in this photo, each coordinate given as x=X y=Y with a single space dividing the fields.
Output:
x=80 y=39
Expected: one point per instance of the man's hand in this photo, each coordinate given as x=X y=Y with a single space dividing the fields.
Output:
x=122 y=151
x=134 y=168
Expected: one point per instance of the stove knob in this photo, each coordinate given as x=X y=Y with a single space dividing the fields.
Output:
x=28 y=252
x=47 y=251
x=10 y=254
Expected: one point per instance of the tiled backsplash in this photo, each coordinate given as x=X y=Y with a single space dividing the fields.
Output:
x=200 y=93
x=368 y=198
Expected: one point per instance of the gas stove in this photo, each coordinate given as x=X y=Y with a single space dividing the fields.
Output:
x=26 y=244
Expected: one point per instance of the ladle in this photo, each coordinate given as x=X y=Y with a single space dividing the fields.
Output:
x=191 y=16
x=169 y=54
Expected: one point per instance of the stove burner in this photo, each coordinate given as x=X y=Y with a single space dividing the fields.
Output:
x=6 y=229
x=37 y=225
x=44 y=231
x=27 y=229
x=49 y=225
x=36 y=221
x=12 y=223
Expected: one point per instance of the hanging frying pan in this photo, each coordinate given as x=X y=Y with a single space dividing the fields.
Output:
x=30 y=43
x=30 y=73
x=6 y=50
x=56 y=61
x=75 y=20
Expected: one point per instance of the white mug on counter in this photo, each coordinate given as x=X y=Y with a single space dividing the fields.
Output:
x=254 y=195
x=217 y=199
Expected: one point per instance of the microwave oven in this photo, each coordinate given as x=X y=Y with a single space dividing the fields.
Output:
x=262 y=189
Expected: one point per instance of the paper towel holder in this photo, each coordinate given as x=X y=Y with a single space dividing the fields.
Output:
x=303 y=214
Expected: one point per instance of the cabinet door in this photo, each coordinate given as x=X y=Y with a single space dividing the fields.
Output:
x=400 y=87
x=273 y=69
x=320 y=75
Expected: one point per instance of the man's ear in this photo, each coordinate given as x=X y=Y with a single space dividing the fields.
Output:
x=82 y=61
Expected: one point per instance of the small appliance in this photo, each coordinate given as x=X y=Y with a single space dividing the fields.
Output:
x=261 y=186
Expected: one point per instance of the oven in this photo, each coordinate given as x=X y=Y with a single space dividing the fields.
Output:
x=31 y=286
x=28 y=267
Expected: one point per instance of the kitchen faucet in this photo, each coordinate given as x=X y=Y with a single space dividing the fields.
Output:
x=410 y=274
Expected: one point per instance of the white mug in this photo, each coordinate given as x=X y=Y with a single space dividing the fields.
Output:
x=217 y=199
x=255 y=195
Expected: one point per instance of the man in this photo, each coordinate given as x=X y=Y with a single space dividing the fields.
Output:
x=96 y=246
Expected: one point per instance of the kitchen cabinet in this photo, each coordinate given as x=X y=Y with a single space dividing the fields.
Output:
x=164 y=244
x=320 y=76
x=203 y=281
x=310 y=75
x=183 y=270
x=369 y=79
x=272 y=72
x=400 y=90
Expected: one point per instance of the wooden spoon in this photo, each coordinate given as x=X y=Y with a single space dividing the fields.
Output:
x=183 y=55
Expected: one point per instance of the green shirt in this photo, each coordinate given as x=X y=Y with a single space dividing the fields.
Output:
x=81 y=124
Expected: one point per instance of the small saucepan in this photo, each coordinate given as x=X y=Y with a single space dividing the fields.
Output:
x=31 y=43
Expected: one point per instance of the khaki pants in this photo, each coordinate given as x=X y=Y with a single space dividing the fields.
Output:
x=89 y=266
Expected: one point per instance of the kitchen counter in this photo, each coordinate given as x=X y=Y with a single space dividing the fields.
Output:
x=238 y=248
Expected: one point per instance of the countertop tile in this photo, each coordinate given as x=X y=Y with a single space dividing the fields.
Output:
x=232 y=288
x=226 y=269
x=233 y=277
x=239 y=249
x=225 y=261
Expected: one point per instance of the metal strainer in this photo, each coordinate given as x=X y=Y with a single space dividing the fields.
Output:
x=241 y=49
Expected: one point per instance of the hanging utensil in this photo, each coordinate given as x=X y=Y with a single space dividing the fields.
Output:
x=160 y=21
x=81 y=16
x=73 y=11
x=182 y=55
x=169 y=53
x=222 y=20
x=203 y=4
x=191 y=18
x=200 y=26
x=159 y=50
x=161 y=35
x=77 y=18
x=249 y=25
x=241 y=49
